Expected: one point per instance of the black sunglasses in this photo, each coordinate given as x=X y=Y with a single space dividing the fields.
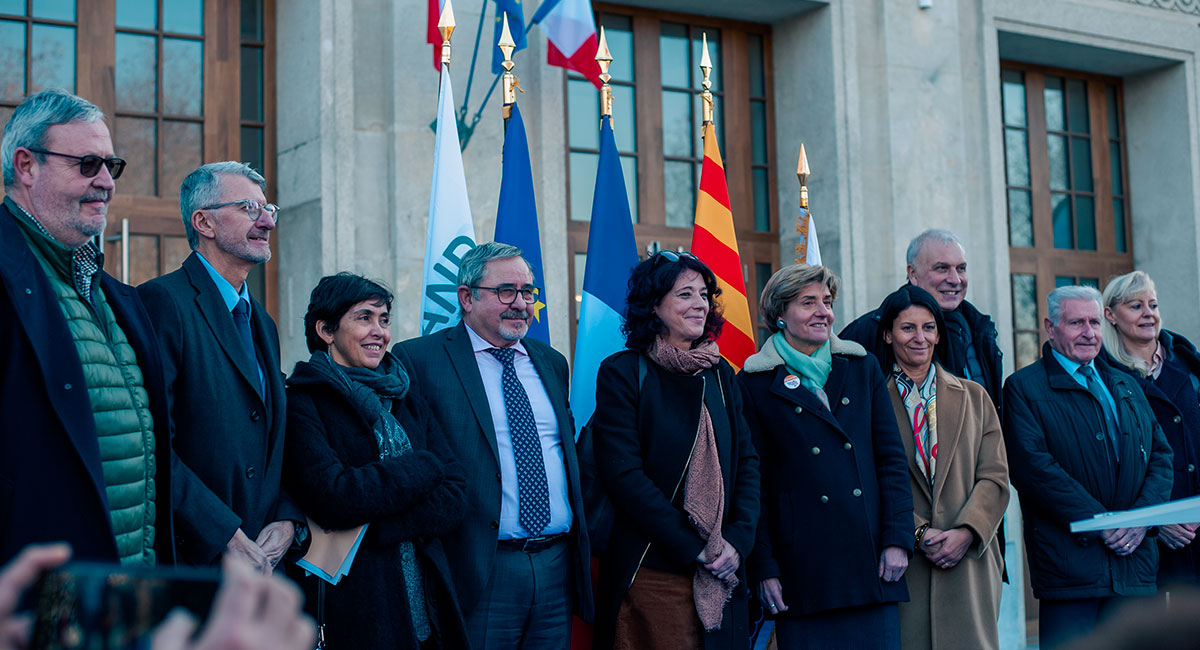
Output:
x=671 y=256
x=89 y=165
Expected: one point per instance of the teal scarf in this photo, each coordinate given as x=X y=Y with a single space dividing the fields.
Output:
x=813 y=369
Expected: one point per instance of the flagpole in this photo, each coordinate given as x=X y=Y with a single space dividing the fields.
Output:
x=511 y=83
x=604 y=60
x=802 y=220
x=705 y=95
x=446 y=27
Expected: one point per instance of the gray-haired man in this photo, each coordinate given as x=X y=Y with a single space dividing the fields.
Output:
x=1082 y=440
x=221 y=347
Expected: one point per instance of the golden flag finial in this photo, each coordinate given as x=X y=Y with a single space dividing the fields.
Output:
x=446 y=27
x=706 y=67
x=511 y=83
x=604 y=59
x=802 y=173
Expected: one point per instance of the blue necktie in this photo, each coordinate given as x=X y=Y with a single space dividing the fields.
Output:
x=533 y=494
x=1110 y=418
x=241 y=319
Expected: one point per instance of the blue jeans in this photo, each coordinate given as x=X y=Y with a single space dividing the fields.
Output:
x=527 y=602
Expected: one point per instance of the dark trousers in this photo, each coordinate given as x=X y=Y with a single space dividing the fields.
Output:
x=1061 y=621
x=527 y=602
x=871 y=627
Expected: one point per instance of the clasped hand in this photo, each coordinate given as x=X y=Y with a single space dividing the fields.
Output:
x=946 y=548
x=725 y=564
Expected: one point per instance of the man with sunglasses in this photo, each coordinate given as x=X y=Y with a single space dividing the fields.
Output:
x=85 y=454
x=220 y=346
x=520 y=561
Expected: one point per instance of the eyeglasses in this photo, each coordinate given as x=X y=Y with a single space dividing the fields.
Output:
x=89 y=165
x=507 y=293
x=671 y=256
x=252 y=208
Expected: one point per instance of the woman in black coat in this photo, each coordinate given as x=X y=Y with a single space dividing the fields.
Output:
x=1168 y=369
x=364 y=449
x=836 y=529
x=675 y=458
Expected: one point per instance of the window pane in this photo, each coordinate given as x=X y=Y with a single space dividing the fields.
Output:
x=583 y=114
x=252 y=20
x=679 y=188
x=1027 y=348
x=182 y=152
x=135 y=140
x=137 y=14
x=183 y=16
x=623 y=105
x=762 y=200
x=758 y=76
x=53 y=61
x=12 y=50
x=1081 y=162
x=252 y=83
x=1060 y=207
x=678 y=134
x=1016 y=155
x=1055 y=107
x=1118 y=175
x=1063 y=281
x=1085 y=223
x=583 y=184
x=13 y=7
x=1090 y=282
x=1013 y=91
x=1077 y=106
x=143 y=258
x=1024 y=290
x=618 y=31
x=714 y=54
x=629 y=171
x=54 y=9
x=1020 y=219
x=136 y=73
x=183 y=80
x=1119 y=226
x=1114 y=116
x=758 y=132
x=1056 y=146
x=673 y=55
x=252 y=147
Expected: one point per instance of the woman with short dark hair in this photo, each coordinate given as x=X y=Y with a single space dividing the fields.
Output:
x=675 y=458
x=958 y=471
x=835 y=532
x=363 y=448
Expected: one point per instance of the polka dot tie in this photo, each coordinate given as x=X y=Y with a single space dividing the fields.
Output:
x=533 y=495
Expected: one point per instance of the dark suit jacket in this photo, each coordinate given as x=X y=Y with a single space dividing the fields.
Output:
x=443 y=366
x=227 y=434
x=51 y=481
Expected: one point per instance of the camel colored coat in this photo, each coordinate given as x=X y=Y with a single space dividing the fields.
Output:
x=958 y=607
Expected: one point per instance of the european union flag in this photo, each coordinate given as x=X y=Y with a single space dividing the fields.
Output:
x=516 y=26
x=516 y=217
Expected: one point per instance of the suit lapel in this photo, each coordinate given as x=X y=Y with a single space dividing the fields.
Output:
x=906 y=435
x=553 y=388
x=267 y=347
x=462 y=357
x=220 y=321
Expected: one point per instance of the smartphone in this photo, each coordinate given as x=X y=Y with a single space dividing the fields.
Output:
x=86 y=606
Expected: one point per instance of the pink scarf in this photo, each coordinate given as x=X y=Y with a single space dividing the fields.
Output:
x=704 y=489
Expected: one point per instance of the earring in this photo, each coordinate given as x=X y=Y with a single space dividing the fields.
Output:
x=781 y=324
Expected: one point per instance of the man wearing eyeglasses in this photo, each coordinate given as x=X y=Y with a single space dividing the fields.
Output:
x=85 y=455
x=520 y=561
x=220 y=347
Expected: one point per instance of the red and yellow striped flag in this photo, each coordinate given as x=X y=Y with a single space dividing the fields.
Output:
x=714 y=242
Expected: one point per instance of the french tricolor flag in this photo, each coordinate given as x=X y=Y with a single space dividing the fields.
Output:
x=571 y=30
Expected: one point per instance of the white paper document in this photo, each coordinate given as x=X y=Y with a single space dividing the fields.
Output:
x=1183 y=511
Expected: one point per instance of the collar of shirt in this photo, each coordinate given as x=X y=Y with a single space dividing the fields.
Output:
x=478 y=344
x=85 y=260
x=1156 y=362
x=230 y=295
x=1072 y=367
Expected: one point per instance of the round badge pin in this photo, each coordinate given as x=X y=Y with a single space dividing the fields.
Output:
x=792 y=382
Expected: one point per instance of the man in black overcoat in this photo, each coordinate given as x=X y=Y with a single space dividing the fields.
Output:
x=520 y=561
x=221 y=359
x=1082 y=440
x=55 y=485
